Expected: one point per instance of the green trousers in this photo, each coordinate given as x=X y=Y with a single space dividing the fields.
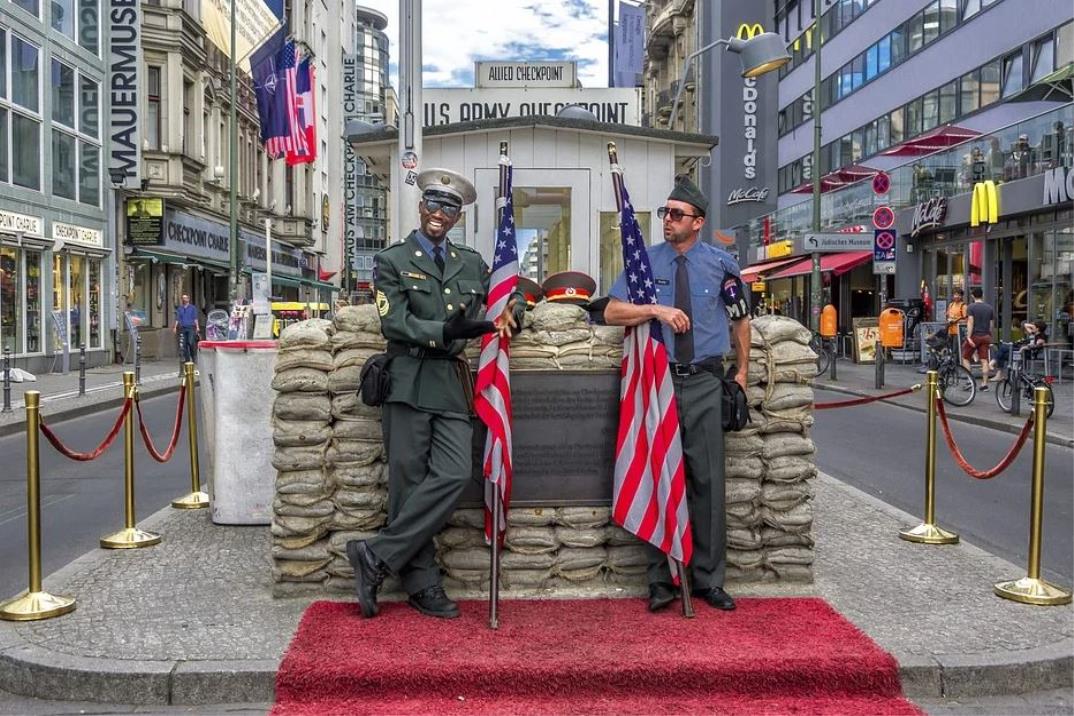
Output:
x=699 y=401
x=429 y=463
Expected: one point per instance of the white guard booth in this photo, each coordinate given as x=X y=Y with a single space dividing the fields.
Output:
x=236 y=421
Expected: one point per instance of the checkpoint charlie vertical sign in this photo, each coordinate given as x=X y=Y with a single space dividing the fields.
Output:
x=124 y=60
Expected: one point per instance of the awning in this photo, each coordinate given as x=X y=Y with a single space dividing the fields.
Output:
x=752 y=273
x=1056 y=87
x=838 y=264
x=837 y=179
x=932 y=141
x=143 y=254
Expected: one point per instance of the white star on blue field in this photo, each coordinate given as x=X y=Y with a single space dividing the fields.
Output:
x=457 y=33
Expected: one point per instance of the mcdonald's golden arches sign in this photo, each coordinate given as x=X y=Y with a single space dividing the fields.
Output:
x=984 y=206
x=746 y=31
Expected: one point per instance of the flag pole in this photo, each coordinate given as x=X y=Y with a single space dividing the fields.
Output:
x=497 y=499
x=617 y=189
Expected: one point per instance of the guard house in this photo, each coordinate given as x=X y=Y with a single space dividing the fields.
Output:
x=565 y=213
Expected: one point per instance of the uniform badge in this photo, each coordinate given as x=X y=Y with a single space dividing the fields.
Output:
x=382 y=304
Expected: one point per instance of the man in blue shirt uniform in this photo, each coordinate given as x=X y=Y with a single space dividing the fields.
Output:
x=700 y=300
x=186 y=325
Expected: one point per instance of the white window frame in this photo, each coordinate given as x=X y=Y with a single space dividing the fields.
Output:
x=80 y=137
x=13 y=108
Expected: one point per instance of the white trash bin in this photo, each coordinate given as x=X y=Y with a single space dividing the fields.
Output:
x=236 y=410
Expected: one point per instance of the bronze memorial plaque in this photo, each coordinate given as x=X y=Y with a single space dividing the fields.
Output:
x=565 y=427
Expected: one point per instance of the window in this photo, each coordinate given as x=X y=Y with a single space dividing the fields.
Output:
x=883 y=54
x=188 y=118
x=898 y=45
x=1043 y=59
x=24 y=73
x=1012 y=74
x=89 y=25
x=948 y=15
x=3 y=64
x=26 y=151
x=63 y=94
x=916 y=32
x=89 y=174
x=913 y=118
x=883 y=133
x=3 y=146
x=857 y=72
x=930 y=110
x=949 y=102
x=931 y=21
x=64 y=160
x=970 y=95
x=30 y=6
x=1064 y=52
x=871 y=63
x=63 y=17
x=152 y=119
x=896 y=126
x=971 y=8
x=869 y=146
x=990 y=75
x=89 y=114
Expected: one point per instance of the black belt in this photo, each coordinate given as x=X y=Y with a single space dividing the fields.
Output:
x=402 y=349
x=713 y=365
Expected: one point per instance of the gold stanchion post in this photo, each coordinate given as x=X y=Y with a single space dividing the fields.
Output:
x=130 y=537
x=34 y=603
x=196 y=499
x=927 y=532
x=1032 y=589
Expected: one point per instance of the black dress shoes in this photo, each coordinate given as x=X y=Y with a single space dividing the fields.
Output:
x=369 y=573
x=716 y=597
x=661 y=594
x=434 y=602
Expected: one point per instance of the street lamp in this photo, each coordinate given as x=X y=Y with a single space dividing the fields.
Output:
x=758 y=55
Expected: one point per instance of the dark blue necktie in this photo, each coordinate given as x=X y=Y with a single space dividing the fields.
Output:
x=684 y=342
x=438 y=257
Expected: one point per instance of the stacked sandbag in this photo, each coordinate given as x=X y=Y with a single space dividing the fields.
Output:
x=331 y=485
x=779 y=523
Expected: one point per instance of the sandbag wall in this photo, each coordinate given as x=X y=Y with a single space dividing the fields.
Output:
x=331 y=483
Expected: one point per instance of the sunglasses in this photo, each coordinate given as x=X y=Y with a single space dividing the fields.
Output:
x=447 y=209
x=675 y=214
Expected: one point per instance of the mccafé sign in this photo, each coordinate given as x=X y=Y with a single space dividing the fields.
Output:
x=928 y=215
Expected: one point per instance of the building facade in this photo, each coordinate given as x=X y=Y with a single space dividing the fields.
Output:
x=57 y=261
x=902 y=80
x=365 y=217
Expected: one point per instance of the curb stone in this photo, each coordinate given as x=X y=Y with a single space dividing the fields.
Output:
x=1052 y=438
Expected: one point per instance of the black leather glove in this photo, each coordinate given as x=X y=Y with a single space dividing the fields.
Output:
x=459 y=326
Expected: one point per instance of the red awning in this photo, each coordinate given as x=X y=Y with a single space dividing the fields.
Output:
x=750 y=273
x=932 y=141
x=838 y=264
x=324 y=275
x=838 y=179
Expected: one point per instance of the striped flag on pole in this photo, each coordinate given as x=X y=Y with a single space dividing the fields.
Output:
x=286 y=134
x=492 y=401
x=649 y=497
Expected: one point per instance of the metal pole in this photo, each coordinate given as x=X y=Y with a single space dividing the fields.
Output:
x=82 y=369
x=611 y=43
x=684 y=583
x=411 y=117
x=233 y=170
x=7 y=380
x=34 y=603
x=879 y=377
x=196 y=499
x=833 y=353
x=129 y=537
x=1032 y=589
x=927 y=532
x=1014 y=379
x=268 y=255
x=497 y=500
x=137 y=357
x=814 y=275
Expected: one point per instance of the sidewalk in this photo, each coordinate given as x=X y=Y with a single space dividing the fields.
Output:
x=192 y=621
x=104 y=389
x=860 y=380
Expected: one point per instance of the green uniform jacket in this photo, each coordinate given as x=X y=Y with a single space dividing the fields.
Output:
x=414 y=300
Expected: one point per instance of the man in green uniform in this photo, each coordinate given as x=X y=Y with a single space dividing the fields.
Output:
x=430 y=294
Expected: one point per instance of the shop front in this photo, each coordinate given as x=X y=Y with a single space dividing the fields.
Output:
x=23 y=288
x=79 y=267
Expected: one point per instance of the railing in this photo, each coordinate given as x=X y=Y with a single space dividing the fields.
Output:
x=1000 y=156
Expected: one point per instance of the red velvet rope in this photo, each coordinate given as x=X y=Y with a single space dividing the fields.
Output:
x=863 y=401
x=167 y=454
x=87 y=456
x=961 y=460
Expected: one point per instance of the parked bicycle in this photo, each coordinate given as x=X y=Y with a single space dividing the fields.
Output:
x=1026 y=382
x=956 y=384
x=825 y=350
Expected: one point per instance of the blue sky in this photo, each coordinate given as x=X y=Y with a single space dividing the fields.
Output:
x=456 y=33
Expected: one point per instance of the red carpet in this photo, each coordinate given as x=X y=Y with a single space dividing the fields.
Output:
x=770 y=656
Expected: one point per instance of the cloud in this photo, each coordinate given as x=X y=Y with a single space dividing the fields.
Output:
x=457 y=33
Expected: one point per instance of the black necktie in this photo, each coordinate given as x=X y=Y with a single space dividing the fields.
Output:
x=684 y=342
x=438 y=257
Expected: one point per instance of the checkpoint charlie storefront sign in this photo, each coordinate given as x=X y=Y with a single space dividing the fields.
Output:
x=80 y=235
x=197 y=237
x=618 y=105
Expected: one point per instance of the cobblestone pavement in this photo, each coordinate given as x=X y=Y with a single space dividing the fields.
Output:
x=193 y=620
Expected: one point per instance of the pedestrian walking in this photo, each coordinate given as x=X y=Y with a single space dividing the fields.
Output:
x=430 y=293
x=188 y=328
x=701 y=302
x=980 y=323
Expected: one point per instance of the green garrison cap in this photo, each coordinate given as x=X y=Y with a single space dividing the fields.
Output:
x=686 y=190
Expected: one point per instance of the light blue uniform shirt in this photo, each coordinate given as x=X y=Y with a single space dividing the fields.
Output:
x=427 y=245
x=706 y=267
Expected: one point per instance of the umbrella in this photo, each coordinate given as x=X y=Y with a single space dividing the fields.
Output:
x=837 y=179
x=932 y=141
x=1056 y=87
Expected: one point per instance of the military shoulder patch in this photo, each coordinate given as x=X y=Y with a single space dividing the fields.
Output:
x=382 y=304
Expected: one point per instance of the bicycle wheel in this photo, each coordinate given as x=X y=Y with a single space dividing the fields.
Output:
x=957 y=385
x=824 y=358
x=1003 y=395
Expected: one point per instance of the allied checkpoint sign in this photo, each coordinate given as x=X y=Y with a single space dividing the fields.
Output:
x=614 y=105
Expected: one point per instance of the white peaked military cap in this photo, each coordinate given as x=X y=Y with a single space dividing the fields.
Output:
x=448 y=184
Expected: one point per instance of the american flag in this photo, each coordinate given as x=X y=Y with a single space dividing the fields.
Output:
x=306 y=110
x=650 y=480
x=285 y=107
x=493 y=387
